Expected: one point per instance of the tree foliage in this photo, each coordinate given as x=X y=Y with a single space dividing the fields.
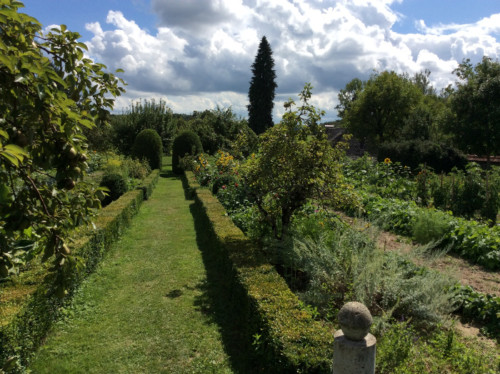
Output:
x=142 y=115
x=220 y=129
x=262 y=87
x=295 y=163
x=475 y=106
x=380 y=108
x=49 y=93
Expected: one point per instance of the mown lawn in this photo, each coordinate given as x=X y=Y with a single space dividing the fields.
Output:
x=150 y=307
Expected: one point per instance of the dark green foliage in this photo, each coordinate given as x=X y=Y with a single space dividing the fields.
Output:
x=479 y=307
x=23 y=334
x=470 y=193
x=117 y=185
x=262 y=87
x=378 y=110
x=186 y=143
x=148 y=146
x=475 y=106
x=219 y=129
x=412 y=153
x=143 y=115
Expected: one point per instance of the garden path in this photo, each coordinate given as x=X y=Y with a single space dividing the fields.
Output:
x=149 y=307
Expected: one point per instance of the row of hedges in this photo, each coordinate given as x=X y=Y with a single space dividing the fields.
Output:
x=285 y=334
x=21 y=333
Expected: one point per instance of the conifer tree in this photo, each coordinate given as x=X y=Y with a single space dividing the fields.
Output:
x=261 y=92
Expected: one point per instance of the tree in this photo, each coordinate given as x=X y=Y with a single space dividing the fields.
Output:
x=379 y=110
x=348 y=95
x=475 y=106
x=49 y=93
x=141 y=115
x=262 y=87
x=295 y=163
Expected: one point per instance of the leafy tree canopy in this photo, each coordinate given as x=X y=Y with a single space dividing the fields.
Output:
x=295 y=163
x=377 y=110
x=49 y=93
x=475 y=106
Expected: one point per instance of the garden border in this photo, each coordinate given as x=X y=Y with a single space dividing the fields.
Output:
x=24 y=333
x=284 y=333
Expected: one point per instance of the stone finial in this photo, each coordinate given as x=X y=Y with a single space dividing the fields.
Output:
x=355 y=320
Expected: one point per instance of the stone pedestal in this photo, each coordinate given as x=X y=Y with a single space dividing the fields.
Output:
x=354 y=348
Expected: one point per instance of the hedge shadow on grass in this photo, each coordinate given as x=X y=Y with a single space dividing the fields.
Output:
x=222 y=299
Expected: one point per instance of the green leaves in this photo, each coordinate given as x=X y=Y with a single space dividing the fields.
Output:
x=295 y=163
x=13 y=153
x=49 y=94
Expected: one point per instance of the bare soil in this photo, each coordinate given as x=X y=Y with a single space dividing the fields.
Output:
x=477 y=277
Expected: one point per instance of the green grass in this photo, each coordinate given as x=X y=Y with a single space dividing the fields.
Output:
x=155 y=305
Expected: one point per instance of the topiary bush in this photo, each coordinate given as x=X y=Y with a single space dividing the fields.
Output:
x=117 y=185
x=148 y=146
x=186 y=142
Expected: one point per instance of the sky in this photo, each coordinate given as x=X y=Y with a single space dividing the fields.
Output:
x=197 y=54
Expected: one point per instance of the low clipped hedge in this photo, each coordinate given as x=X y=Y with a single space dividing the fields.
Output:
x=22 y=332
x=286 y=336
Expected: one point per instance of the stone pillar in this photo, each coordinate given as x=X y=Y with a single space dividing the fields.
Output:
x=354 y=347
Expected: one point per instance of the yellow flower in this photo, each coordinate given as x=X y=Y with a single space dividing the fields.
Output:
x=387 y=160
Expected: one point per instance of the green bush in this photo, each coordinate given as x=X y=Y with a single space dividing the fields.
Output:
x=137 y=169
x=117 y=185
x=186 y=143
x=147 y=145
x=412 y=153
x=430 y=226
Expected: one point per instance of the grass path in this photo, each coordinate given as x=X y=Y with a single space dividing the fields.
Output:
x=152 y=306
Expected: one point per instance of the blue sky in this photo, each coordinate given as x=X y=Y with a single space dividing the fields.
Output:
x=196 y=54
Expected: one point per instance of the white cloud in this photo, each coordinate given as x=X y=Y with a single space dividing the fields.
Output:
x=202 y=50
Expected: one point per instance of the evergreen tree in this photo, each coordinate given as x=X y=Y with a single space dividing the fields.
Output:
x=261 y=92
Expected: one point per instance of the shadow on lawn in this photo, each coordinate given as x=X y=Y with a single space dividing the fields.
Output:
x=222 y=300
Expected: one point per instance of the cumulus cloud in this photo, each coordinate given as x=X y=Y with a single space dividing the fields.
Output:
x=201 y=51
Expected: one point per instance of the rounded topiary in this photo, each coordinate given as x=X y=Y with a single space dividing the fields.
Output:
x=148 y=146
x=186 y=142
x=117 y=185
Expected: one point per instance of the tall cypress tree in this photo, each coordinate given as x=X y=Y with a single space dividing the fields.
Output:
x=261 y=92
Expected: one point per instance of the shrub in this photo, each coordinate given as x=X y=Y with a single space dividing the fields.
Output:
x=186 y=142
x=343 y=264
x=412 y=153
x=430 y=226
x=147 y=145
x=117 y=185
x=137 y=169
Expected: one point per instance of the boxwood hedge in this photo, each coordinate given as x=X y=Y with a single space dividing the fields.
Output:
x=285 y=334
